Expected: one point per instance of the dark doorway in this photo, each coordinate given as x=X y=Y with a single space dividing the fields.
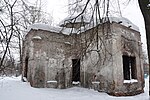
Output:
x=26 y=67
x=129 y=67
x=75 y=70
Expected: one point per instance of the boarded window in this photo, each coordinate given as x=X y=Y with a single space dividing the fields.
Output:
x=129 y=67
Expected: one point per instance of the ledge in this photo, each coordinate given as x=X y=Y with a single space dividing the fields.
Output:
x=130 y=81
x=51 y=81
x=75 y=83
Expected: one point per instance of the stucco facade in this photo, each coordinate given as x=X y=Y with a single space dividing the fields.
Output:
x=106 y=57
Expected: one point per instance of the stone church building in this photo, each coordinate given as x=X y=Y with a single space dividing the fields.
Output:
x=105 y=57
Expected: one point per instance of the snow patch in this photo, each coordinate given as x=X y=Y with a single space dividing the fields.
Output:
x=46 y=27
x=55 y=29
x=25 y=79
x=130 y=81
x=123 y=21
x=75 y=83
x=51 y=81
x=73 y=19
x=95 y=82
x=67 y=31
x=68 y=43
x=12 y=88
x=37 y=37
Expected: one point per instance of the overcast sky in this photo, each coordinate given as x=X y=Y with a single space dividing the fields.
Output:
x=58 y=9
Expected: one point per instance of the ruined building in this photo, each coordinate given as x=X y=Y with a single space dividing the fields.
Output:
x=105 y=57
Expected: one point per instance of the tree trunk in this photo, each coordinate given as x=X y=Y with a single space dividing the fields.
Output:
x=146 y=14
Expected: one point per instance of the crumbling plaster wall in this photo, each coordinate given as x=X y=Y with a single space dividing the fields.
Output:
x=126 y=42
x=47 y=61
x=96 y=64
x=104 y=70
x=50 y=58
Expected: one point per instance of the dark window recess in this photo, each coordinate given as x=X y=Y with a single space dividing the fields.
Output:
x=26 y=67
x=133 y=68
x=126 y=69
x=75 y=70
x=129 y=67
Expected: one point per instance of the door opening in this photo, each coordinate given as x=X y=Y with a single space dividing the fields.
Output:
x=75 y=70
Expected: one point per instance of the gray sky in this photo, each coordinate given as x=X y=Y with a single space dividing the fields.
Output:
x=58 y=9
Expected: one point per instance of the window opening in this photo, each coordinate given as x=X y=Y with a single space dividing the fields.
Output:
x=26 y=67
x=129 y=67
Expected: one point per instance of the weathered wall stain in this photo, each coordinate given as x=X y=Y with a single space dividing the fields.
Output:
x=101 y=59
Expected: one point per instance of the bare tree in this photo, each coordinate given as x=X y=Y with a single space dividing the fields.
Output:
x=145 y=9
x=144 y=6
x=17 y=15
x=8 y=38
x=97 y=11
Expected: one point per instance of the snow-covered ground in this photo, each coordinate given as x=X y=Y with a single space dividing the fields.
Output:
x=12 y=88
